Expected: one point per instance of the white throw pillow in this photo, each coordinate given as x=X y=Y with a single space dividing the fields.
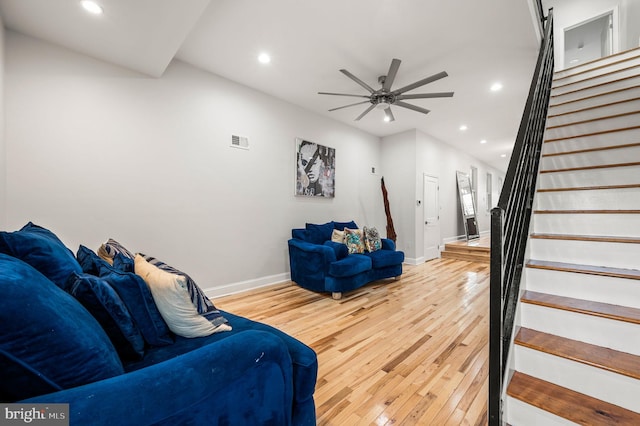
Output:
x=172 y=298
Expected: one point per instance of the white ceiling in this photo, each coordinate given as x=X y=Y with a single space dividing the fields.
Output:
x=476 y=43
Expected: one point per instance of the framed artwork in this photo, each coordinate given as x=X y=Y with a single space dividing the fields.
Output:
x=315 y=169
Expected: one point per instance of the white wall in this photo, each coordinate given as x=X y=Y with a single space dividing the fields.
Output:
x=406 y=158
x=95 y=151
x=567 y=13
x=3 y=166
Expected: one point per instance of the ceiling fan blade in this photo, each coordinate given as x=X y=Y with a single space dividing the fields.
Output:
x=389 y=114
x=357 y=80
x=350 y=105
x=421 y=83
x=413 y=107
x=391 y=75
x=343 y=94
x=366 y=111
x=425 y=95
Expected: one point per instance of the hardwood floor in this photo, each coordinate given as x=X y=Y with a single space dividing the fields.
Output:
x=412 y=351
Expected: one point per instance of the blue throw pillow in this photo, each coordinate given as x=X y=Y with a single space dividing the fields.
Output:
x=123 y=263
x=102 y=301
x=134 y=293
x=318 y=234
x=48 y=341
x=41 y=249
x=342 y=225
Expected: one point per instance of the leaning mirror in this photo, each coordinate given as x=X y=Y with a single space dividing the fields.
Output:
x=468 y=207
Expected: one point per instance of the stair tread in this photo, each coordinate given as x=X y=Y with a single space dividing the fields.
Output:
x=563 y=86
x=570 y=70
x=588 y=307
x=584 y=269
x=593 y=96
x=588 y=150
x=465 y=248
x=589 y=188
x=598 y=166
x=585 y=353
x=591 y=120
x=590 y=108
x=603 y=132
x=595 y=238
x=599 y=211
x=567 y=403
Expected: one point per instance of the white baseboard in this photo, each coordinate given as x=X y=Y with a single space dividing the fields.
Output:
x=241 y=286
x=412 y=261
x=453 y=239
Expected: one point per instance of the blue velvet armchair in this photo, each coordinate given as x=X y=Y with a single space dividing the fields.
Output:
x=322 y=265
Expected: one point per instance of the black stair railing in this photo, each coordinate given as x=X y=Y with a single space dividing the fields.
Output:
x=510 y=222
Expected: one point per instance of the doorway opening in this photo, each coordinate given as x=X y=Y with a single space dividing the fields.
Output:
x=589 y=40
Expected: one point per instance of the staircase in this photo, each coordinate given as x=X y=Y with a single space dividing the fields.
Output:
x=477 y=250
x=576 y=353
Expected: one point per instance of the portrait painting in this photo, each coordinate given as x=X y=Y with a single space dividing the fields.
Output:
x=315 y=169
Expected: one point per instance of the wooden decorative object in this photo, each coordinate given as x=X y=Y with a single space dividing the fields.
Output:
x=391 y=232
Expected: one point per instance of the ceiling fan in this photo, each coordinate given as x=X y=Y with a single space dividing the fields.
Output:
x=384 y=97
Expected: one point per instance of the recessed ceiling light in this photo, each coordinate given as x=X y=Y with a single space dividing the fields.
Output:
x=386 y=119
x=503 y=155
x=483 y=141
x=264 y=58
x=463 y=127
x=496 y=87
x=92 y=7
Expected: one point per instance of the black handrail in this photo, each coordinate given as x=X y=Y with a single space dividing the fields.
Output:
x=510 y=222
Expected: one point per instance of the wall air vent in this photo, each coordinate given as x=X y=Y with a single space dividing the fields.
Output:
x=239 y=142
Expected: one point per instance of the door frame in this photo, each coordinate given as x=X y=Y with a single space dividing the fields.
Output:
x=424 y=215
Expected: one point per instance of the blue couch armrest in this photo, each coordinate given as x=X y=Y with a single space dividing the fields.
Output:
x=388 y=244
x=309 y=263
x=340 y=249
x=243 y=379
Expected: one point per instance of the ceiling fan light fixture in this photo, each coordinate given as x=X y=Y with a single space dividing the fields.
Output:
x=384 y=97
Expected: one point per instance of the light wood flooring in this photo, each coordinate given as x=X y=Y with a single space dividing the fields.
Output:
x=412 y=351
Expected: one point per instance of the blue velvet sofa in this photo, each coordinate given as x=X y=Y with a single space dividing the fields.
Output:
x=322 y=265
x=119 y=363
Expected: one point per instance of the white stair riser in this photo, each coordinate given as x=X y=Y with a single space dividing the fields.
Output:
x=592 y=158
x=603 y=99
x=592 y=141
x=591 y=177
x=609 y=61
x=600 y=79
x=592 y=113
x=595 y=382
x=614 y=225
x=571 y=95
x=522 y=414
x=615 y=255
x=626 y=199
x=584 y=328
x=606 y=124
x=593 y=72
x=616 y=291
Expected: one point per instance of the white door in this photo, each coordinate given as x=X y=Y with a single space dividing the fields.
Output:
x=431 y=218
